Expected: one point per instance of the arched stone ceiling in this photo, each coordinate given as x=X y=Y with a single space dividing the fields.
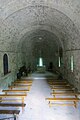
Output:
x=43 y=41
x=19 y=17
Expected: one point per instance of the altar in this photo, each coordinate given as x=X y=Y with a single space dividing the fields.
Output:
x=41 y=69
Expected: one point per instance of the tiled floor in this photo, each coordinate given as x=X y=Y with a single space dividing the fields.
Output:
x=37 y=107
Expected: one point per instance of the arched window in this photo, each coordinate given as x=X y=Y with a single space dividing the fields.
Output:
x=60 y=56
x=72 y=63
x=59 y=62
x=5 y=64
x=40 y=61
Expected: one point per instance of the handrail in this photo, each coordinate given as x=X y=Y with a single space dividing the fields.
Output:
x=9 y=118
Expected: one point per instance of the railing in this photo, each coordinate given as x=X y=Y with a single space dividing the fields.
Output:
x=9 y=118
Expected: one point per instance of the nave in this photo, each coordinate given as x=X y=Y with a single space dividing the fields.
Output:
x=39 y=35
x=37 y=107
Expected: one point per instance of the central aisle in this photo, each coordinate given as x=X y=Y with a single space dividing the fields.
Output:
x=37 y=107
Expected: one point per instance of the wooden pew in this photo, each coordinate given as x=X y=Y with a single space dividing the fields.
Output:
x=72 y=100
x=75 y=94
x=25 y=82
x=13 y=95
x=64 y=81
x=20 y=86
x=62 y=89
x=14 y=112
x=59 y=83
x=21 y=83
x=65 y=85
x=22 y=80
x=22 y=96
x=55 y=79
x=8 y=91
x=61 y=86
x=12 y=104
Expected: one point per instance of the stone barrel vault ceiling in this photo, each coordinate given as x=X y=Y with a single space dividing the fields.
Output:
x=23 y=22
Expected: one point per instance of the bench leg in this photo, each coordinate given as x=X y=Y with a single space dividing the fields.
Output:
x=14 y=117
x=6 y=93
x=50 y=104
x=22 y=104
x=75 y=104
x=76 y=96
x=10 y=88
x=54 y=96
x=0 y=99
x=28 y=87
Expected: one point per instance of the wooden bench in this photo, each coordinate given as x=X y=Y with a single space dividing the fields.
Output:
x=65 y=85
x=22 y=96
x=7 y=91
x=76 y=94
x=9 y=111
x=12 y=104
x=14 y=112
x=62 y=89
x=17 y=81
x=13 y=95
x=22 y=83
x=24 y=80
x=53 y=100
x=27 y=84
x=19 y=86
x=58 y=83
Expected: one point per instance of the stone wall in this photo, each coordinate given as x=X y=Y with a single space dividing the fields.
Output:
x=14 y=63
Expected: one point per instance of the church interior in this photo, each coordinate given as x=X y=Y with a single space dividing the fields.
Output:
x=39 y=59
